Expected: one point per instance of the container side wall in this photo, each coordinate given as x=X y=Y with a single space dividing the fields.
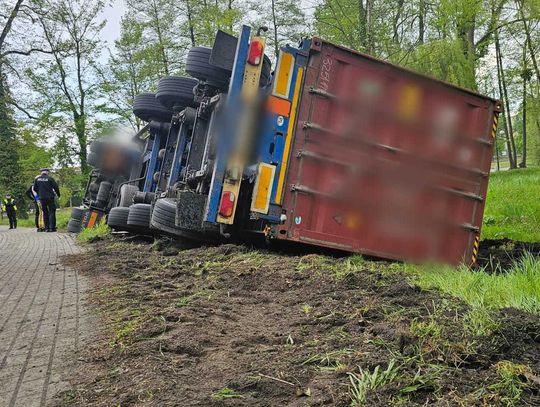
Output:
x=386 y=162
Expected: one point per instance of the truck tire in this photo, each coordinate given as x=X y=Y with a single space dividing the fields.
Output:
x=139 y=216
x=176 y=92
x=163 y=219
x=74 y=226
x=117 y=218
x=104 y=191
x=127 y=192
x=146 y=107
x=198 y=66
x=78 y=213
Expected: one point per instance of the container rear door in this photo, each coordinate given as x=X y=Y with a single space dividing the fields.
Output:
x=386 y=162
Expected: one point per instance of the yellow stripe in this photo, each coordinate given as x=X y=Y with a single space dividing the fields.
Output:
x=290 y=130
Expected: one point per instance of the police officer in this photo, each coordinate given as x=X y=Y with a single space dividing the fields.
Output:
x=10 y=208
x=30 y=194
x=46 y=189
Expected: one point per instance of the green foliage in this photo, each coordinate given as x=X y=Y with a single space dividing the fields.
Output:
x=10 y=171
x=360 y=385
x=518 y=287
x=98 y=232
x=444 y=59
x=512 y=206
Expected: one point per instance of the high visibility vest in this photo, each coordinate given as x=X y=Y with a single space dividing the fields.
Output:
x=9 y=205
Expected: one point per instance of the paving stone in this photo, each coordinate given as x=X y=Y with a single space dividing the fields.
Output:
x=41 y=310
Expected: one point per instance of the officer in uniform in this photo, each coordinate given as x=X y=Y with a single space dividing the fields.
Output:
x=34 y=198
x=46 y=189
x=10 y=208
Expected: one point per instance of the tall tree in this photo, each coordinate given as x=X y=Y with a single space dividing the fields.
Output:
x=10 y=174
x=130 y=71
x=65 y=85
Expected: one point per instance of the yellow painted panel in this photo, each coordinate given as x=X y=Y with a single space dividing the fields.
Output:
x=263 y=188
x=284 y=71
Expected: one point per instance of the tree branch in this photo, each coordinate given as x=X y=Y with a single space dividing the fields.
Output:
x=9 y=22
x=30 y=116
x=27 y=53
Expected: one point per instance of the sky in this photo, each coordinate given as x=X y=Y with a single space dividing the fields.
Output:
x=113 y=14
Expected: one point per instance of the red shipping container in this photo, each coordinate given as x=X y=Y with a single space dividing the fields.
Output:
x=387 y=162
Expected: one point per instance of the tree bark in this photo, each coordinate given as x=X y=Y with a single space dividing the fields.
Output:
x=190 y=23
x=523 y=163
x=274 y=23
x=510 y=144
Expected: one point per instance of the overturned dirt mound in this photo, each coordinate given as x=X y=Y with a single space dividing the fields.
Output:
x=230 y=326
x=498 y=255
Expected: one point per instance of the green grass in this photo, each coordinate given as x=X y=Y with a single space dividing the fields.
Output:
x=62 y=219
x=513 y=206
x=100 y=231
x=226 y=393
x=518 y=287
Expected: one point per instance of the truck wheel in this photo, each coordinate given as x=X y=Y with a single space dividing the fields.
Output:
x=74 y=226
x=198 y=66
x=104 y=191
x=117 y=218
x=93 y=159
x=144 y=197
x=175 y=92
x=139 y=216
x=146 y=107
x=164 y=216
x=78 y=213
x=127 y=192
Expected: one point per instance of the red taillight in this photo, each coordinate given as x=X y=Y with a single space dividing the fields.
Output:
x=256 y=52
x=226 y=207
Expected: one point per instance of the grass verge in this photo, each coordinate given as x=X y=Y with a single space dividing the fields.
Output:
x=512 y=206
x=98 y=232
x=518 y=287
x=62 y=219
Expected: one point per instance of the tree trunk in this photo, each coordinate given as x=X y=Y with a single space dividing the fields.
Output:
x=523 y=163
x=510 y=144
x=421 y=21
x=370 y=36
x=162 y=51
x=397 y=18
x=362 y=26
x=497 y=154
x=190 y=23
x=274 y=23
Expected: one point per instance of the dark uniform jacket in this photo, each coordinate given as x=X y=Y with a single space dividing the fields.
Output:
x=30 y=192
x=45 y=187
x=8 y=205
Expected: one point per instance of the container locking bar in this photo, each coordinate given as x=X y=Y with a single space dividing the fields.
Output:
x=323 y=93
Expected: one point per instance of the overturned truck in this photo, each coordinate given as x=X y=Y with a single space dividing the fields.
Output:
x=334 y=149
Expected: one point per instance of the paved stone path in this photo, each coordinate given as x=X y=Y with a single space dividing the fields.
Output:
x=42 y=319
